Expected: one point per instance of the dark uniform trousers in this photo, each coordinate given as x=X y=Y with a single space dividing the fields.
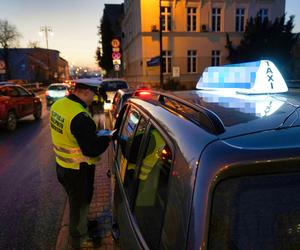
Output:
x=79 y=185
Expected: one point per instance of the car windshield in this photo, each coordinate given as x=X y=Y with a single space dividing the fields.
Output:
x=113 y=85
x=57 y=87
x=256 y=212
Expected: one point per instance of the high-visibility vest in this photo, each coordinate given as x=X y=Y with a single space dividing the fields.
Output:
x=67 y=151
x=151 y=159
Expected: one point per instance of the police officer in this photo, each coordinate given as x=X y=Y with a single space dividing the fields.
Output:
x=77 y=149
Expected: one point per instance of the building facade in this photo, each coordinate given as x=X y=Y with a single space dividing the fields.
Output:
x=193 y=35
x=36 y=65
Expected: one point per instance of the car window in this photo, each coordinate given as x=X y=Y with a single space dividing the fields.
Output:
x=256 y=212
x=152 y=185
x=57 y=87
x=12 y=91
x=133 y=149
x=130 y=124
x=23 y=92
x=113 y=85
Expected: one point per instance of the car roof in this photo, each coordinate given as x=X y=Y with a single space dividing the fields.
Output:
x=7 y=84
x=113 y=80
x=59 y=84
x=234 y=115
x=241 y=114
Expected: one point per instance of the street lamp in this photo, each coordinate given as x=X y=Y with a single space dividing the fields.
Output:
x=161 y=78
x=47 y=29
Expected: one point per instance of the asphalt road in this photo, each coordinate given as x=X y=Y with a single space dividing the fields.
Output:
x=31 y=199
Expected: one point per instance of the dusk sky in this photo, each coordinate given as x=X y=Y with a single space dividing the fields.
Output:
x=74 y=24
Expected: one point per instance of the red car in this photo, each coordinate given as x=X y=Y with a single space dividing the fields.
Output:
x=17 y=102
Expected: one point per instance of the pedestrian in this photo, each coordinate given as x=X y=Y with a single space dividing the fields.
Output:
x=77 y=148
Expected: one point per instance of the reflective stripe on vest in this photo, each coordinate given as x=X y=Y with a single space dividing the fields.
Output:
x=71 y=155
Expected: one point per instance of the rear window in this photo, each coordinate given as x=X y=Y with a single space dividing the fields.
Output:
x=256 y=212
x=57 y=87
x=114 y=85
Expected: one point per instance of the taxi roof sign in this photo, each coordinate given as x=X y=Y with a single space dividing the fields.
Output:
x=259 y=77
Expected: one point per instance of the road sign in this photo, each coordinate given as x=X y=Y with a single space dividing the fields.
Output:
x=117 y=67
x=116 y=49
x=117 y=61
x=115 y=43
x=116 y=55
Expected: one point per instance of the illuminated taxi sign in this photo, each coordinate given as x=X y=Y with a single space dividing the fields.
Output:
x=260 y=77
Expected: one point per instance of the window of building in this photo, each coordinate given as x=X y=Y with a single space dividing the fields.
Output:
x=166 y=22
x=239 y=19
x=151 y=195
x=263 y=14
x=166 y=61
x=191 y=61
x=216 y=19
x=215 y=58
x=191 y=19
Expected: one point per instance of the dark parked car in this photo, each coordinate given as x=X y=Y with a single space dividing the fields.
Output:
x=110 y=86
x=210 y=169
x=17 y=102
x=56 y=91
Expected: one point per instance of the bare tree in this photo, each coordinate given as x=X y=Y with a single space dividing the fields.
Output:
x=9 y=37
x=33 y=44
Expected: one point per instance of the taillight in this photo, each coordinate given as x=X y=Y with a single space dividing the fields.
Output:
x=67 y=92
x=47 y=92
x=142 y=93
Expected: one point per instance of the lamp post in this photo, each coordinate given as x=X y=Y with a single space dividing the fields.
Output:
x=161 y=78
x=46 y=29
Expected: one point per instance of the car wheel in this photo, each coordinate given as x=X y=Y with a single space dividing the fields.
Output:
x=11 y=122
x=37 y=112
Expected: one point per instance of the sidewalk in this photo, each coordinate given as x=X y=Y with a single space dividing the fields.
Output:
x=100 y=208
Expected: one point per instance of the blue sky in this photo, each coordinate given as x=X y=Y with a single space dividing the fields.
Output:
x=74 y=23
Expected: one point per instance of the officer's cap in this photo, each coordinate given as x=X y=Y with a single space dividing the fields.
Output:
x=92 y=83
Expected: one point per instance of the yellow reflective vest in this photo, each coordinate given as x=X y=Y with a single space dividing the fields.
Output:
x=67 y=151
x=151 y=158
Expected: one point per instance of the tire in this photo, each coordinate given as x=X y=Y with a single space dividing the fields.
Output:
x=37 y=112
x=11 y=122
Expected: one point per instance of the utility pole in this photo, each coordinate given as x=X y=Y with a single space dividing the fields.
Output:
x=161 y=78
x=45 y=29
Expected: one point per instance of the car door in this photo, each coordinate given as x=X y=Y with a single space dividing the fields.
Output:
x=25 y=100
x=132 y=127
x=15 y=101
x=144 y=168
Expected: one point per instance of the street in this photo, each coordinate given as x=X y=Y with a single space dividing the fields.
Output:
x=32 y=201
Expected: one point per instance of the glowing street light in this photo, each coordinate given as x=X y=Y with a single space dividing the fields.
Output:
x=47 y=30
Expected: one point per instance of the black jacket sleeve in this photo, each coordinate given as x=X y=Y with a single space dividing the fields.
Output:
x=84 y=130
